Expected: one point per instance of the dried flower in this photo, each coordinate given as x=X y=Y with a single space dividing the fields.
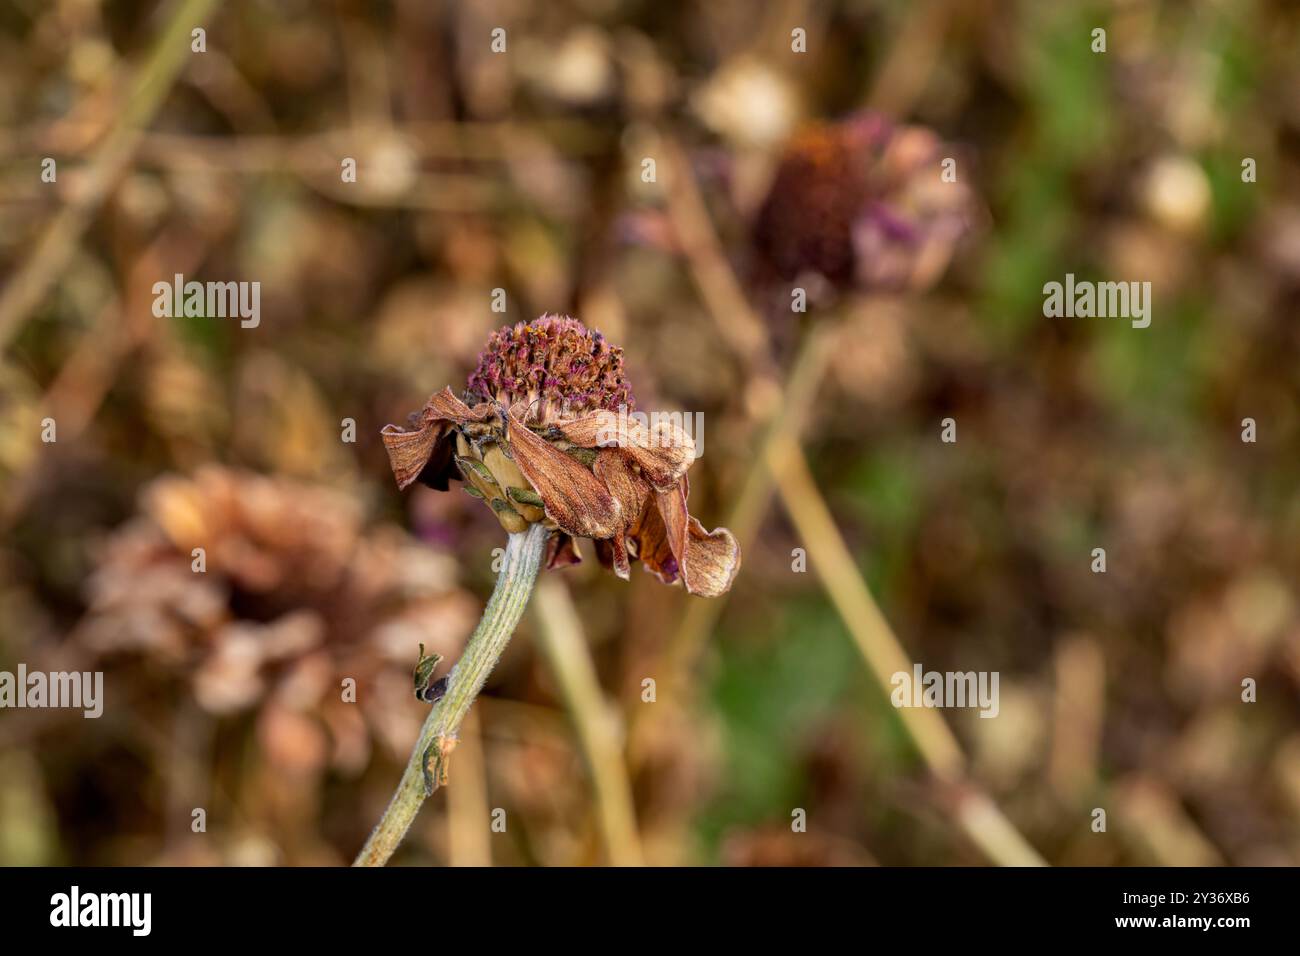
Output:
x=547 y=439
x=296 y=594
x=863 y=202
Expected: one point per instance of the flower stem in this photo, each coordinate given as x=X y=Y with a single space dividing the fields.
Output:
x=787 y=469
x=514 y=586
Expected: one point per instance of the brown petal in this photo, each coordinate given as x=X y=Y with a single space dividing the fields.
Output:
x=619 y=561
x=663 y=451
x=589 y=431
x=708 y=560
x=604 y=552
x=631 y=492
x=412 y=448
x=712 y=560
x=672 y=510
x=575 y=499
x=561 y=551
x=652 y=547
x=666 y=455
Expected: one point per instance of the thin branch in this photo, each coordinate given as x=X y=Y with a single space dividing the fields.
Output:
x=562 y=641
x=55 y=248
x=838 y=571
x=469 y=841
x=736 y=320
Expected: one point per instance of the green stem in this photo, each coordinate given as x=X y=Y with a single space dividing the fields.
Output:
x=519 y=568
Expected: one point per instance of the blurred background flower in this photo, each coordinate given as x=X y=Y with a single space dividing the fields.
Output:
x=859 y=202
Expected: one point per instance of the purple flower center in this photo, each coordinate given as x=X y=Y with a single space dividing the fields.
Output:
x=555 y=359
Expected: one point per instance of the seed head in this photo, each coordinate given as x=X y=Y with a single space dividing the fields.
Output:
x=555 y=365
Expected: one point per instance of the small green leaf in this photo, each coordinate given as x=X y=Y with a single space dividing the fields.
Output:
x=469 y=466
x=426 y=688
x=501 y=506
x=524 y=496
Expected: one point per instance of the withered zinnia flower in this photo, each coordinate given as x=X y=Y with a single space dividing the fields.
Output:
x=863 y=202
x=543 y=435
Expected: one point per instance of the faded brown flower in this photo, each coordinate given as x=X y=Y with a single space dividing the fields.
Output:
x=544 y=435
x=863 y=202
x=294 y=595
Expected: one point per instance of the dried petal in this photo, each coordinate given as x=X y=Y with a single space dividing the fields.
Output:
x=561 y=551
x=708 y=561
x=712 y=560
x=663 y=451
x=629 y=490
x=672 y=509
x=650 y=537
x=575 y=499
x=604 y=552
x=412 y=449
x=619 y=561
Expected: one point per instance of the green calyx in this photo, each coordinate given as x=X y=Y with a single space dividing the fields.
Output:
x=491 y=474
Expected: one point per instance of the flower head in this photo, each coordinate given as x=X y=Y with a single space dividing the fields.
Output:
x=863 y=202
x=557 y=362
x=547 y=439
